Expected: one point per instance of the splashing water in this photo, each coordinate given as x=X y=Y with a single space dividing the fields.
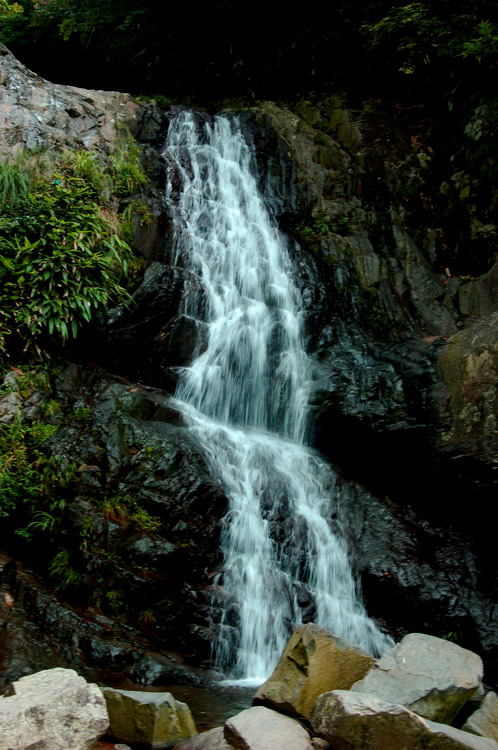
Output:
x=245 y=395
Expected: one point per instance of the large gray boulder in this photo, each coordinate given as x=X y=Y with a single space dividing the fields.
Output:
x=154 y=720
x=313 y=662
x=260 y=728
x=432 y=677
x=52 y=710
x=353 y=721
x=484 y=721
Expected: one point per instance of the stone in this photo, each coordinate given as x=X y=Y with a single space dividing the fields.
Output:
x=484 y=721
x=52 y=710
x=37 y=115
x=350 y=720
x=153 y=719
x=260 y=728
x=313 y=662
x=430 y=676
x=469 y=365
x=213 y=739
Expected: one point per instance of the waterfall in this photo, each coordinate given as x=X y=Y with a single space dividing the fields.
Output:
x=245 y=396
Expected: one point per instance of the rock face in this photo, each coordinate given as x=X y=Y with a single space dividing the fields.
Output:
x=352 y=720
x=162 y=523
x=52 y=710
x=313 y=662
x=154 y=720
x=432 y=677
x=36 y=115
x=259 y=728
x=484 y=721
x=469 y=365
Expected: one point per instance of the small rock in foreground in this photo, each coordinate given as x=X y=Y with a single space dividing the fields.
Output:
x=260 y=728
x=154 y=720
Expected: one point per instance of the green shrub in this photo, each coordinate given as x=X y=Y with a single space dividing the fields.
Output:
x=32 y=484
x=61 y=262
x=14 y=186
x=62 y=571
x=63 y=253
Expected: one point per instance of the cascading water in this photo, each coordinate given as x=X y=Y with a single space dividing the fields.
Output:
x=246 y=397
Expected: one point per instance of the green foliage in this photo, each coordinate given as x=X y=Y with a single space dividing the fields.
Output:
x=63 y=258
x=147 y=617
x=416 y=35
x=125 y=170
x=9 y=9
x=14 y=186
x=484 y=43
x=321 y=226
x=31 y=483
x=63 y=572
x=126 y=511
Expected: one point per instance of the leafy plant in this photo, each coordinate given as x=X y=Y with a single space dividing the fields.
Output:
x=147 y=617
x=125 y=170
x=125 y=511
x=9 y=8
x=62 y=571
x=32 y=484
x=14 y=185
x=61 y=262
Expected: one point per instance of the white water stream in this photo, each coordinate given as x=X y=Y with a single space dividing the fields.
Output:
x=246 y=397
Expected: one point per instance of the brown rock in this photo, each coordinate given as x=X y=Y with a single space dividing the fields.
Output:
x=313 y=662
x=151 y=719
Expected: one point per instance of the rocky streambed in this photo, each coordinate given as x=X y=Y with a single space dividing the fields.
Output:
x=324 y=694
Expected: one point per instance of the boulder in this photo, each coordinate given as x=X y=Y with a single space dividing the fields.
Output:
x=430 y=676
x=313 y=662
x=260 y=728
x=484 y=721
x=154 y=720
x=52 y=710
x=351 y=720
x=211 y=740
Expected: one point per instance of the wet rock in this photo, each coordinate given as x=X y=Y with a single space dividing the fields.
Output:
x=37 y=631
x=152 y=719
x=428 y=675
x=259 y=728
x=469 y=364
x=53 y=710
x=484 y=721
x=353 y=720
x=313 y=662
x=150 y=340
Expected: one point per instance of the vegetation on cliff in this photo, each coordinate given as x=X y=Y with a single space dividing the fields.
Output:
x=218 y=49
x=63 y=250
